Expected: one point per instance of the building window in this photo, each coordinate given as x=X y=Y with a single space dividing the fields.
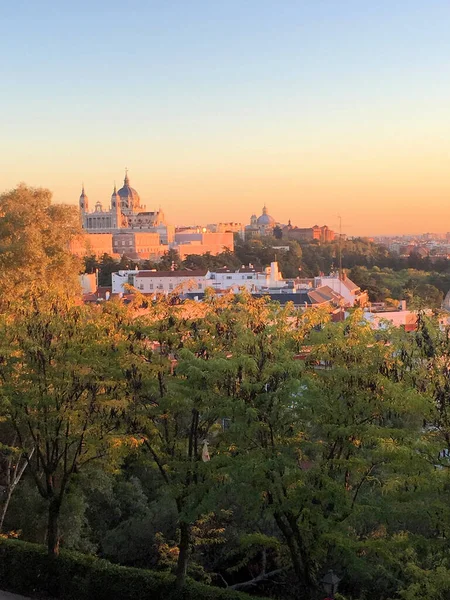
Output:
x=229 y=277
x=170 y=286
x=123 y=243
x=200 y=286
x=151 y=286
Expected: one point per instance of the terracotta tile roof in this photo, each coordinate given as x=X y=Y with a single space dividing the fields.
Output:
x=350 y=285
x=317 y=298
x=193 y=273
x=241 y=270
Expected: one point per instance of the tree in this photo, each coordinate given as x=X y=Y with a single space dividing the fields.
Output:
x=423 y=295
x=172 y=381
x=34 y=244
x=107 y=266
x=169 y=260
x=61 y=393
x=12 y=467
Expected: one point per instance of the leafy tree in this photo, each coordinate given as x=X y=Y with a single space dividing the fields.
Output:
x=170 y=259
x=107 y=266
x=172 y=388
x=34 y=244
x=12 y=467
x=59 y=370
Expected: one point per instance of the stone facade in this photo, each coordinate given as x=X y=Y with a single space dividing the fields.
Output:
x=125 y=213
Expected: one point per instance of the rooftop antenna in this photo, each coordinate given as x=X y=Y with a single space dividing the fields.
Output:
x=340 y=258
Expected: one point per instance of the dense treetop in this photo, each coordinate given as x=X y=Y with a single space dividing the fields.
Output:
x=234 y=441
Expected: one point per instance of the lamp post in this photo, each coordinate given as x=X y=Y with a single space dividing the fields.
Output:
x=330 y=583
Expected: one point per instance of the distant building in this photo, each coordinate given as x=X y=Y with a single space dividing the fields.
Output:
x=306 y=234
x=227 y=228
x=260 y=226
x=200 y=243
x=89 y=244
x=165 y=282
x=247 y=277
x=350 y=292
x=138 y=244
x=140 y=234
x=125 y=212
x=381 y=319
x=122 y=278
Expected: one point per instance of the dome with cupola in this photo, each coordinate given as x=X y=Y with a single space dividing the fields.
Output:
x=265 y=219
x=128 y=196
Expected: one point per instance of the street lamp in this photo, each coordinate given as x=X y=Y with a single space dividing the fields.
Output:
x=330 y=583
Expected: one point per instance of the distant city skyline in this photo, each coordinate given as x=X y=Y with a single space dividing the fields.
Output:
x=217 y=109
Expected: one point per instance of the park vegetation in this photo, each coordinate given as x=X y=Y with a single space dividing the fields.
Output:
x=234 y=442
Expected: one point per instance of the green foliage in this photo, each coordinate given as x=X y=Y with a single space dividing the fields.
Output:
x=60 y=393
x=422 y=289
x=73 y=576
x=34 y=245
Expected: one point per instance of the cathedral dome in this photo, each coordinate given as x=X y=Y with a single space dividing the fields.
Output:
x=266 y=219
x=128 y=196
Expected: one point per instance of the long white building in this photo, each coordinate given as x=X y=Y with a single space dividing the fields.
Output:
x=190 y=281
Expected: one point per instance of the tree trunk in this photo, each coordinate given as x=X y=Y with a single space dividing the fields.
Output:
x=5 y=507
x=294 y=551
x=52 y=527
x=183 y=556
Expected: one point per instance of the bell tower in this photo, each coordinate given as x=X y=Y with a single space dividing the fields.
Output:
x=116 y=212
x=84 y=207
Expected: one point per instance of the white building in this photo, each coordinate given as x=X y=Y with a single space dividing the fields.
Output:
x=352 y=294
x=248 y=277
x=397 y=318
x=120 y=279
x=165 y=282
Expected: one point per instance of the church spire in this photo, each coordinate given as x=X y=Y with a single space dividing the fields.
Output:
x=83 y=202
x=126 y=181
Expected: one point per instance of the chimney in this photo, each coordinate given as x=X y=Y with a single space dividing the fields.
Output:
x=274 y=273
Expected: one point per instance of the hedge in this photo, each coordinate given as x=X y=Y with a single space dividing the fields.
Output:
x=27 y=569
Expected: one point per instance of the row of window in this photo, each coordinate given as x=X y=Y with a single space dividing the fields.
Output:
x=161 y=287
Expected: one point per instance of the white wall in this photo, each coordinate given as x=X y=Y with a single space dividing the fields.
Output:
x=155 y=283
x=119 y=279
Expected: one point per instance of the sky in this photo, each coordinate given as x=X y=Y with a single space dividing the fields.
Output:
x=315 y=108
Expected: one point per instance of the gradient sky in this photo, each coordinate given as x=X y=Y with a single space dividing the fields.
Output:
x=314 y=107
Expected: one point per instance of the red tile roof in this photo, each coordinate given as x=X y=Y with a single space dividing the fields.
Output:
x=193 y=273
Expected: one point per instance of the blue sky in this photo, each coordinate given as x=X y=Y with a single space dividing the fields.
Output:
x=218 y=107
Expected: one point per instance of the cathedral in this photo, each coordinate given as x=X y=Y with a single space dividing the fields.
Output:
x=127 y=228
x=260 y=226
x=125 y=212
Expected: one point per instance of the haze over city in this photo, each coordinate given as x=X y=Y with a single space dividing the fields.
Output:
x=314 y=109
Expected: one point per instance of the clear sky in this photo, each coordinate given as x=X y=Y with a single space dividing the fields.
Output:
x=314 y=107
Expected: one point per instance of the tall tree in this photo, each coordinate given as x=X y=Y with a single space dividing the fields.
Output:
x=34 y=244
x=61 y=393
x=172 y=379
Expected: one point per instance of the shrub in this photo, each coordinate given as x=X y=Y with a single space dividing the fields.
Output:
x=27 y=569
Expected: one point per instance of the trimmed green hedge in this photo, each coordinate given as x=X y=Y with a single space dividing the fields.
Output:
x=27 y=569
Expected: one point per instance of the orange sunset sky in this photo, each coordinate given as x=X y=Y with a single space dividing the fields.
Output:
x=315 y=109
